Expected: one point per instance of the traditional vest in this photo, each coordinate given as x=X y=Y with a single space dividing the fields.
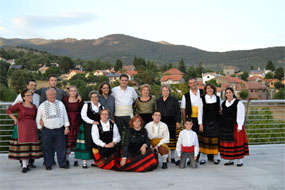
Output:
x=106 y=136
x=188 y=108
x=92 y=114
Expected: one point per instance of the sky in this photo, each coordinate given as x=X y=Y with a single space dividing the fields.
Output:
x=212 y=25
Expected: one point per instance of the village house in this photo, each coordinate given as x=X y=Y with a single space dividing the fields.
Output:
x=209 y=76
x=43 y=69
x=230 y=70
x=131 y=74
x=172 y=79
x=257 y=90
x=113 y=76
x=71 y=73
x=128 y=68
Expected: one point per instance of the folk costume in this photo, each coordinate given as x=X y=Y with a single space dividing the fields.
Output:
x=233 y=144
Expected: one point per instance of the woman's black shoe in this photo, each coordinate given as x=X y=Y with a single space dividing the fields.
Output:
x=84 y=166
x=239 y=164
x=229 y=163
x=48 y=168
x=75 y=163
x=216 y=162
x=24 y=170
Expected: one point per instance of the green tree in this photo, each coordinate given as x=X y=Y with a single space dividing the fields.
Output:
x=269 y=75
x=181 y=66
x=251 y=67
x=214 y=82
x=65 y=64
x=19 y=79
x=279 y=73
x=278 y=85
x=146 y=77
x=4 y=73
x=244 y=75
x=51 y=71
x=7 y=94
x=270 y=66
x=243 y=94
x=280 y=94
x=169 y=66
x=118 y=65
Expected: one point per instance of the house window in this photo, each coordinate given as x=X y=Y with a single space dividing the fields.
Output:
x=208 y=76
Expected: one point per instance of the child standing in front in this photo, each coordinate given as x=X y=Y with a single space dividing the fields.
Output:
x=187 y=145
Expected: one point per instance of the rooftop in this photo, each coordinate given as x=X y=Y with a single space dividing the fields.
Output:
x=263 y=169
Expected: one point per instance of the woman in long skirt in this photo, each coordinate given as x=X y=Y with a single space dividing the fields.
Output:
x=24 y=143
x=233 y=140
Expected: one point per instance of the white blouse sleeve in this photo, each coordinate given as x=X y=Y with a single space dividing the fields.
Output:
x=240 y=115
x=178 y=144
x=84 y=114
x=96 y=136
x=200 y=111
x=183 y=102
x=116 y=134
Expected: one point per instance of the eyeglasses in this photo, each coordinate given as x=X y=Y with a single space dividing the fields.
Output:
x=28 y=95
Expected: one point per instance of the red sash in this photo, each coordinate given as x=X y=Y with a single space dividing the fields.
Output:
x=187 y=148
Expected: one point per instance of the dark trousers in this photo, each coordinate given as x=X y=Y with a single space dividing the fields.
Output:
x=184 y=156
x=53 y=140
x=122 y=123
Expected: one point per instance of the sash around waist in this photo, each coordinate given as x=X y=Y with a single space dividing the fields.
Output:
x=124 y=110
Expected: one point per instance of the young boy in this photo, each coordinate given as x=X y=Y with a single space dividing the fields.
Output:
x=187 y=145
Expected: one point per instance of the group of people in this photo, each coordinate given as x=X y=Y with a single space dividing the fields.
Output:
x=121 y=131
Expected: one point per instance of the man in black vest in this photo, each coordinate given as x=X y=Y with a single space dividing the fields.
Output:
x=189 y=106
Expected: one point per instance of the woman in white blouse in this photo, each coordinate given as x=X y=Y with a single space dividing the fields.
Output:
x=106 y=136
x=208 y=119
x=233 y=140
x=90 y=116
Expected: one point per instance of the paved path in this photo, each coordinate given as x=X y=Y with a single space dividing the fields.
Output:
x=263 y=169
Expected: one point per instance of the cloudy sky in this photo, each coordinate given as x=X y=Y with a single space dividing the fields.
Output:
x=213 y=25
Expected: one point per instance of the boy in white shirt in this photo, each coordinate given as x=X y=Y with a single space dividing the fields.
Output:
x=187 y=145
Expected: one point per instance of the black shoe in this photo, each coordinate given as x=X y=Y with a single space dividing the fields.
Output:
x=177 y=163
x=31 y=165
x=216 y=161
x=164 y=165
x=229 y=163
x=93 y=165
x=67 y=162
x=239 y=164
x=189 y=163
x=202 y=162
x=172 y=160
x=65 y=167
x=75 y=163
x=84 y=166
x=48 y=168
x=28 y=168
x=24 y=170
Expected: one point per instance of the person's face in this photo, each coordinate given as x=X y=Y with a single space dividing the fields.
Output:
x=137 y=123
x=28 y=96
x=105 y=89
x=165 y=92
x=188 y=125
x=145 y=91
x=32 y=86
x=229 y=95
x=124 y=82
x=104 y=115
x=94 y=98
x=52 y=82
x=72 y=92
x=192 y=84
x=209 y=90
x=51 y=95
x=156 y=117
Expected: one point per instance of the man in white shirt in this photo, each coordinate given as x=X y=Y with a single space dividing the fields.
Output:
x=55 y=126
x=32 y=86
x=124 y=98
x=159 y=136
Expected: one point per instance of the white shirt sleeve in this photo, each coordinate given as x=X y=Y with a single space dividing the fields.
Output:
x=96 y=137
x=18 y=99
x=200 y=111
x=65 y=117
x=116 y=134
x=196 y=147
x=178 y=145
x=84 y=114
x=183 y=102
x=240 y=114
x=39 y=116
x=165 y=138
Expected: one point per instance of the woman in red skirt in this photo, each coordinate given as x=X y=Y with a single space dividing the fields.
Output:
x=233 y=140
x=137 y=154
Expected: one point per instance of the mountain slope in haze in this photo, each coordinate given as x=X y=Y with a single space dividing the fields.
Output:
x=125 y=47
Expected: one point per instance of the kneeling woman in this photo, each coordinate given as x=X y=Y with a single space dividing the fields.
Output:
x=137 y=155
x=106 y=135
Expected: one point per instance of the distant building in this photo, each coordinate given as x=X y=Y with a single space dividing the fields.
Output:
x=71 y=73
x=131 y=74
x=230 y=70
x=173 y=71
x=113 y=76
x=43 y=69
x=172 y=79
x=78 y=67
x=128 y=68
x=257 y=91
x=209 y=76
